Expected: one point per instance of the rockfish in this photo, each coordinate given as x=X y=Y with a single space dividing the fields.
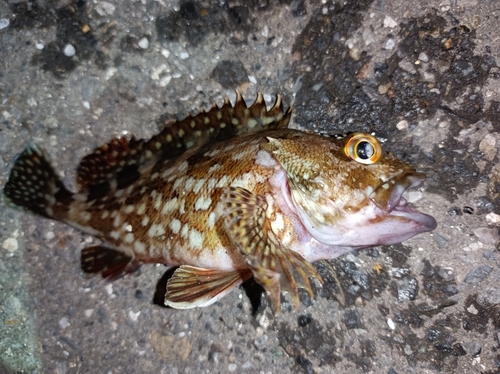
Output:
x=226 y=195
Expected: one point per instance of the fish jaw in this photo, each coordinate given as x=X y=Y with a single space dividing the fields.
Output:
x=385 y=218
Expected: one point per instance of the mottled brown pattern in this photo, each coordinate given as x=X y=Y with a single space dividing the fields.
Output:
x=230 y=190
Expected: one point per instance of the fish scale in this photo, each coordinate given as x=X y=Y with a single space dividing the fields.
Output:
x=226 y=195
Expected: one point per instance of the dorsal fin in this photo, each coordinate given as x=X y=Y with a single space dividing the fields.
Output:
x=218 y=124
x=121 y=159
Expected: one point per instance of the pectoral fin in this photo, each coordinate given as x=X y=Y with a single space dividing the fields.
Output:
x=249 y=229
x=191 y=287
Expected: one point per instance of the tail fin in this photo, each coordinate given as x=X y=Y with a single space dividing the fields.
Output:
x=34 y=186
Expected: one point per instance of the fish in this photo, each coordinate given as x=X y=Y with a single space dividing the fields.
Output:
x=223 y=196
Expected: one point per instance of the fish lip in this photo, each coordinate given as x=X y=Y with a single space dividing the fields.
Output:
x=391 y=200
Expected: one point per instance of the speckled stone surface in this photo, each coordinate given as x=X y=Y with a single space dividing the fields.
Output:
x=423 y=76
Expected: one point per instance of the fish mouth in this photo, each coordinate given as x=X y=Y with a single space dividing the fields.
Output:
x=389 y=198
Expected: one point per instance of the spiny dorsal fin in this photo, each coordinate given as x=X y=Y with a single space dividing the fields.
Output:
x=122 y=158
x=218 y=124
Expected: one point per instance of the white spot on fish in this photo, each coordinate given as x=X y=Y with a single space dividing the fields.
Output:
x=170 y=206
x=182 y=167
x=117 y=221
x=199 y=185
x=168 y=173
x=203 y=203
x=105 y=214
x=129 y=209
x=175 y=226
x=195 y=239
x=156 y=231
x=222 y=181
x=145 y=221
x=211 y=184
x=185 y=231
x=264 y=158
x=128 y=238
x=85 y=216
x=211 y=220
x=182 y=209
x=189 y=184
x=213 y=168
x=114 y=234
x=158 y=201
x=141 y=209
x=239 y=155
x=127 y=227
x=178 y=183
x=278 y=224
x=247 y=181
x=140 y=247
x=212 y=153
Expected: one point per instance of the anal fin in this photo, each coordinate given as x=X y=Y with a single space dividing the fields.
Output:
x=110 y=263
x=191 y=286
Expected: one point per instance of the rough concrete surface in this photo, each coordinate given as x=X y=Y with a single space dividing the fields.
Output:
x=422 y=75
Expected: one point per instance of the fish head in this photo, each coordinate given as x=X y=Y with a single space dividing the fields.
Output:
x=347 y=191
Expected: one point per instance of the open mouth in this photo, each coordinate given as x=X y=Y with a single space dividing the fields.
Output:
x=389 y=198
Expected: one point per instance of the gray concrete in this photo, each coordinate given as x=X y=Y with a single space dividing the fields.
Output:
x=422 y=75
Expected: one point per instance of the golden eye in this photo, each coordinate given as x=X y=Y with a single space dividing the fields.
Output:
x=363 y=148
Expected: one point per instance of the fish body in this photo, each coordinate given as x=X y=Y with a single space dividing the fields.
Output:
x=227 y=195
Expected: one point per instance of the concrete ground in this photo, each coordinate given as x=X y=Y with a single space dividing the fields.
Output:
x=422 y=75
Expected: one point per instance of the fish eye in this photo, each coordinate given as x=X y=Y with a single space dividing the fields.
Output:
x=362 y=148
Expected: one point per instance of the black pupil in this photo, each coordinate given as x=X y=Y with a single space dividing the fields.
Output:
x=365 y=150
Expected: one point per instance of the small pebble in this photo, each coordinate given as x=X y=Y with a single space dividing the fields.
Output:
x=492 y=217
x=183 y=55
x=4 y=22
x=490 y=296
x=10 y=244
x=402 y=125
x=109 y=289
x=264 y=322
x=391 y=324
x=88 y=312
x=165 y=53
x=478 y=274
x=390 y=44
x=446 y=273
x=423 y=57
x=134 y=316
x=143 y=43
x=389 y=22
x=232 y=367
x=472 y=309
x=39 y=46
x=64 y=322
x=69 y=50
x=487 y=235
